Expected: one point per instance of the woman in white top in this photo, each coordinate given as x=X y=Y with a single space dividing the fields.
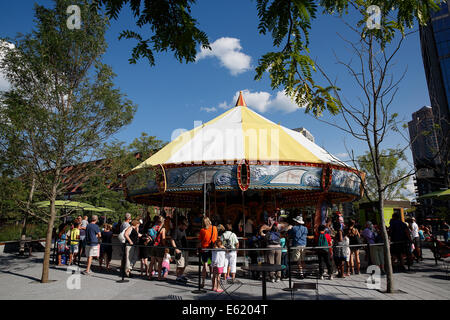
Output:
x=230 y=241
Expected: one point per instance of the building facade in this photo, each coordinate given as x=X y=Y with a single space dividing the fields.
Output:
x=431 y=150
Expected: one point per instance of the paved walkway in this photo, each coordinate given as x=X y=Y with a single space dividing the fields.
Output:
x=19 y=280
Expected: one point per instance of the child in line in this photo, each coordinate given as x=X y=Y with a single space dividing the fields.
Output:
x=62 y=245
x=218 y=263
x=284 y=260
x=347 y=253
x=74 y=241
x=166 y=262
x=106 y=247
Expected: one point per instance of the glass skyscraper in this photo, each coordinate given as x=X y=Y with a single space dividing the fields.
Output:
x=431 y=155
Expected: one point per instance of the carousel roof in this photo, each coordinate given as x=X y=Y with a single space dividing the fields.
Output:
x=240 y=134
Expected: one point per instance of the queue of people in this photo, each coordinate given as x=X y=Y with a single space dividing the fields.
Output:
x=341 y=244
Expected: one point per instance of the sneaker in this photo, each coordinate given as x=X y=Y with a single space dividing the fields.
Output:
x=321 y=277
x=272 y=280
x=301 y=276
x=184 y=278
x=331 y=277
x=278 y=280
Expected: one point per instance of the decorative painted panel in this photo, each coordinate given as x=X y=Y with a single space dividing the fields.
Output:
x=345 y=181
x=285 y=177
x=192 y=178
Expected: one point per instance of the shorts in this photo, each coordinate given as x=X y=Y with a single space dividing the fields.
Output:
x=74 y=248
x=183 y=261
x=206 y=256
x=218 y=270
x=61 y=248
x=93 y=251
x=157 y=252
x=230 y=261
x=298 y=255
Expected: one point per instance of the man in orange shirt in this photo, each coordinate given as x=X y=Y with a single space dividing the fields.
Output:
x=208 y=236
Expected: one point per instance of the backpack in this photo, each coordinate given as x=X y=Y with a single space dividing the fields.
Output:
x=227 y=243
x=322 y=241
x=121 y=235
x=153 y=236
x=274 y=238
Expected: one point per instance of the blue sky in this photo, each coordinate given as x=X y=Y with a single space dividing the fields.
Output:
x=173 y=95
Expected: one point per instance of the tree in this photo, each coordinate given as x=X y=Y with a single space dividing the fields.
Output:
x=392 y=175
x=104 y=186
x=62 y=103
x=370 y=119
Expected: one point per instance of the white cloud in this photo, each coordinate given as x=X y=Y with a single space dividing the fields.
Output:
x=223 y=105
x=342 y=155
x=212 y=109
x=263 y=101
x=228 y=51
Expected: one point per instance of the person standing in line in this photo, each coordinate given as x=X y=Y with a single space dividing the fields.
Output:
x=74 y=241
x=274 y=256
x=369 y=236
x=126 y=223
x=83 y=225
x=158 y=234
x=400 y=238
x=323 y=239
x=179 y=240
x=208 y=236
x=218 y=263
x=355 y=239
x=339 y=250
x=416 y=238
x=230 y=242
x=132 y=236
x=298 y=233
x=92 y=246
x=106 y=246
x=347 y=253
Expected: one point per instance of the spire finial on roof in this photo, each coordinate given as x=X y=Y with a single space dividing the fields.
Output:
x=240 y=101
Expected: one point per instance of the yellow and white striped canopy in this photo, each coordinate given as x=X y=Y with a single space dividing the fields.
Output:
x=236 y=135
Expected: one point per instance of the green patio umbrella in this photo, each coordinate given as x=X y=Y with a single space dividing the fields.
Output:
x=72 y=205
x=439 y=195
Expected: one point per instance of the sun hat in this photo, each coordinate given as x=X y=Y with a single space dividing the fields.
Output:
x=299 y=219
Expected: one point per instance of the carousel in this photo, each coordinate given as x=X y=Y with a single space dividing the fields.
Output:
x=241 y=165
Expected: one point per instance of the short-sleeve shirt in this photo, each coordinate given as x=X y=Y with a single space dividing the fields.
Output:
x=124 y=226
x=298 y=234
x=369 y=235
x=91 y=234
x=84 y=224
x=230 y=236
x=398 y=229
x=74 y=234
x=107 y=236
x=206 y=237
x=179 y=236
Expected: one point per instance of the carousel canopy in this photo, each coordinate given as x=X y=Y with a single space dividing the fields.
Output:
x=240 y=134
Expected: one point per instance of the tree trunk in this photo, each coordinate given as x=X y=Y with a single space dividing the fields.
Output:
x=48 y=238
x=387 y=250
x=25 y=218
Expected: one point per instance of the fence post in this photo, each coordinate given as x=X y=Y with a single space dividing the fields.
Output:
x=290 y=289
x=369 y=257
x=199 y=289
x=122 y=267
